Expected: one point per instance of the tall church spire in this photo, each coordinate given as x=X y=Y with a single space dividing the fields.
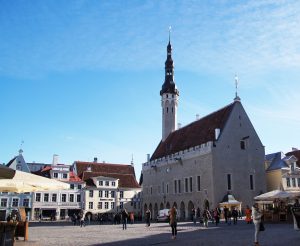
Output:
x=169 y=96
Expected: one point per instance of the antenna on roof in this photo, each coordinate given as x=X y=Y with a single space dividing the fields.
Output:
x=236 y=79
x=170 y=34
x=132 y=164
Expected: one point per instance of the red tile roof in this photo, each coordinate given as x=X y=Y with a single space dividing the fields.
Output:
x=125 y=173
x=73 y=177
x=194 y=134
x=295 y=153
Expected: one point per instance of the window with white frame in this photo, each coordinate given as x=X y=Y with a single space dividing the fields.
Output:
x=121 y=205
x=100 y=183
x=91 y=205
x=99 y=205
x=65 y=175
x=37 y=197
x=3 y=202
x=91 y=193
x=112 y=194
x=113 y=183
x=64 y=197
x=106 y=193
x=72 y=186
x=100 y=193
x=46 y=197
x=288 y=182
x=121 y=194
x=106 y=205
x=78 y=198
x=55 y=175
x=294 y=182
x=112 y=205
x=54 y=197
x=15 y=202
x=71 y=198
x=79 y=187
x=106 y=183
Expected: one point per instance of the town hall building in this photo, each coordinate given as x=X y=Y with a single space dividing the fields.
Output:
x=204 y=163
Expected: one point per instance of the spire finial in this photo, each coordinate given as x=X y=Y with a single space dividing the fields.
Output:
x=132 y=160
x=236 y=79
x=170 y=34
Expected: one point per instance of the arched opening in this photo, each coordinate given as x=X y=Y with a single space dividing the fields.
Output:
x=168 y=205
x=190 y=209
x=155 y=210
x=151 y=211
x=145 y=208
x=175 y=204
x=182 y=211
x=161 y=206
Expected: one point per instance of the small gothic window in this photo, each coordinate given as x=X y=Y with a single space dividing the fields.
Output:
x=167 y=95
x=172 y=109
x=167 y=109
x=242 y=144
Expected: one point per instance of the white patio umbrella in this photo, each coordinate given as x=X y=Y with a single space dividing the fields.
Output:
x=20 y=182
x=275 y=194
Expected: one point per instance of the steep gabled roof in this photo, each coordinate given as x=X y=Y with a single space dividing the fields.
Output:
x=295 y=153
x=194 y=134
x=125 y=180
x=277 y=161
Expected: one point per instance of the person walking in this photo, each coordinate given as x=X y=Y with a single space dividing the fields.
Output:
x=217 y=216
x=225 y=212
x=173 y=221
x=148 y=216
x=194 y=215
x=256 y=216
x=206 y=217
x=124 y=218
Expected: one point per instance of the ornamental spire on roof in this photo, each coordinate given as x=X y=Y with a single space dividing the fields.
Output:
x=169 y=83
x=237 y=98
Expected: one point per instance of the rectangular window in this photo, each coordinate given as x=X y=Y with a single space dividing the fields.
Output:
x=72 y=186
x=55 y=175
x=121 y=205
x=191 y=184
x=175 y=186
x=163 y=188
x=46 y=197
x=26 y=202
x=100 y=193
x=106 y=183
x=167 y=188
x=79 y=187
x=78 y=198
x=65 y=175
x=112 y=205
x=243 y=144
x=151 y=190
x=121 y=194
x=99 y=205
x=251 y=182
x=37 y=197
x=4 y=202
x=198 y=183
x=100 y=183
x=63 y=198
x=71 y=198
x=179 y=186
x=113 y=183
x=228 y=181
x=54 y=197
x=186 y=185
x=106 y=205
x=112 y=194
x=293 y=167
x=91 y=205
x=106 y=193
x=294 y=182
x=91 y=193
x=15 y=202
x=288 y=182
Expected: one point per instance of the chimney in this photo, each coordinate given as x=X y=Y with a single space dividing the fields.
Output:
x=294 y=149
x=95 y=159
x=197 y=116
x=217 y=133
x=148 y=157
x=178 y=125
x=55 y=159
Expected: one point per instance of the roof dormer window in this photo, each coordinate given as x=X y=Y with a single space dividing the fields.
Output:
x=293 y=167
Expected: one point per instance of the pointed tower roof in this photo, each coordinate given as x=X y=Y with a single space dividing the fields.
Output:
x=169 y=85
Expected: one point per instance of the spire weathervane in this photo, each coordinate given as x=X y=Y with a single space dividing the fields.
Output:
x=237 y=98
x=170 y=33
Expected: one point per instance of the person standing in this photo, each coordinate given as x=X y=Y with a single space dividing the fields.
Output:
x=131 y=218
x=235 y=215
x=256 y=216
x=225 y=211
x=173 y=221
x=194 y=215
x=124 y=218
x=206 y=217
x=217 y=216
x=248 y=213
x=148 y=216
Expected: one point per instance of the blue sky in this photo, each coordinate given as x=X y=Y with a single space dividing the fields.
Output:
x=82 y=78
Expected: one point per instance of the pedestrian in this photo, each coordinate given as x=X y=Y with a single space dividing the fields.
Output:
x=131 y=218
x=225 y=212
x=148 y=216
x=124 y=215
x=248 y=213
x=74 y=218
x=82 y=217
x=217 y=216
x=194 y=215
x=256 y=216
x=40 y=217
x=198 y=214
x=229 y=215
x=206 y=217
x=173 y=221
x=235 y=215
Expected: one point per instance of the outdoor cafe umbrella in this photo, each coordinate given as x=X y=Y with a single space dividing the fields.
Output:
x=20 y=182
x=276 y=194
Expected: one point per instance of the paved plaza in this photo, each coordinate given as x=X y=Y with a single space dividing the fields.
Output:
x=55 y=234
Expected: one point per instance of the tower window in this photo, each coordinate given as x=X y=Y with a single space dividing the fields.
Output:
x=228 y=181
x=167 y=109
x=251 y=182
x=167 y=95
